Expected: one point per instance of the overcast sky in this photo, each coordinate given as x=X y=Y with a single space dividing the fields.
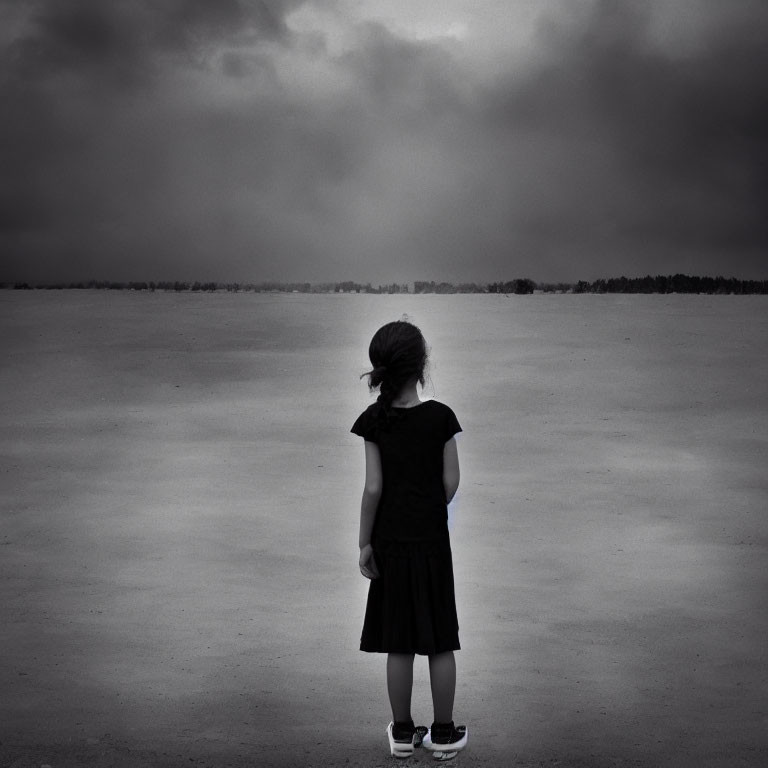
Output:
x=382 y=140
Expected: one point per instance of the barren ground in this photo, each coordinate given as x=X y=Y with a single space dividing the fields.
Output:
x=179 y=496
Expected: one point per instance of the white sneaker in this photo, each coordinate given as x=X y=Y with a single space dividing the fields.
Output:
x=445 y=741
x=404 y=747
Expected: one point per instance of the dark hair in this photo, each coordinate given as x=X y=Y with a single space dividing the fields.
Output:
x=398 y=354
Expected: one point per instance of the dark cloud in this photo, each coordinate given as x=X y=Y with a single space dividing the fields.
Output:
x=194 y=139
x=123 y=41
x=196 y=26
x=690 y=134
x=88 y=144
x=85 y=36
x=641 y=157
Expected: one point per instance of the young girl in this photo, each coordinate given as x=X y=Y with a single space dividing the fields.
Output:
x=411 y=474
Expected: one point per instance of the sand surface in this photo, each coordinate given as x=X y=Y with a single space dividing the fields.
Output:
x=178 y=539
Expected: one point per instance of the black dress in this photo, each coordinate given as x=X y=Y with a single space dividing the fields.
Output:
x=411 y=606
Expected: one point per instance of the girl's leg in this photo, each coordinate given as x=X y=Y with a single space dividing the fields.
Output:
x=400 y=685
x=442 y=678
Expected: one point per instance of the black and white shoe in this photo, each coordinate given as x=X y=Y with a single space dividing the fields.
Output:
x=404 y=738
x=445 y=740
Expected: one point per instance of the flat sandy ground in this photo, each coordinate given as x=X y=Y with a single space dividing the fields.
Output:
x=178 y=541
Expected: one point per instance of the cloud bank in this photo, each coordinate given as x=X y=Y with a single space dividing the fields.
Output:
x=334 y=140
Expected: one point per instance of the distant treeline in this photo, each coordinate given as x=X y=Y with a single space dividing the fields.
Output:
x=658 y=284
x=420 y=286
x=178 y=285
x=672 y=284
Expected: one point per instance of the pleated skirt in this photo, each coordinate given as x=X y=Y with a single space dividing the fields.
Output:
x=411 y=607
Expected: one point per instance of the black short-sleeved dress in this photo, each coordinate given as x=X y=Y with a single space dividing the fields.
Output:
x=412 y=605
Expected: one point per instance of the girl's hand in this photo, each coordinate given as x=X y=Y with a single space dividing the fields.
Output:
x=367 y=563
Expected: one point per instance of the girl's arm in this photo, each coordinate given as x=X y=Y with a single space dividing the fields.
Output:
x=368 y=507
x=451 y=474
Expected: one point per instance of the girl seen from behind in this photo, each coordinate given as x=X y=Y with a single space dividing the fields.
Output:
x=411 y=475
